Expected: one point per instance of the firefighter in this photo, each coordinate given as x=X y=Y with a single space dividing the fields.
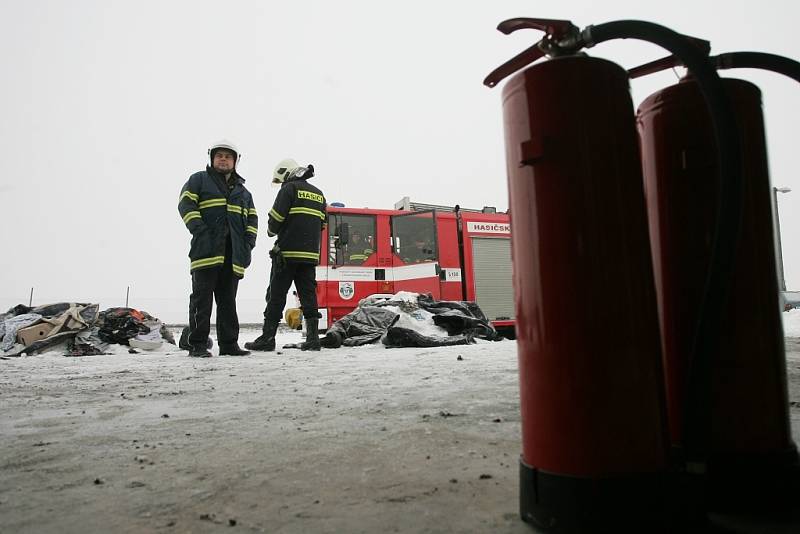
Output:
x=357 y=250
x=297 y=217
x=218 y=211
x=420 y=250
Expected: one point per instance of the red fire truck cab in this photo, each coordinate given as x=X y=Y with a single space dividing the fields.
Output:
x=451 y=253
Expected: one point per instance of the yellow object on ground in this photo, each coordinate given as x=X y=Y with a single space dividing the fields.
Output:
x=294 y=318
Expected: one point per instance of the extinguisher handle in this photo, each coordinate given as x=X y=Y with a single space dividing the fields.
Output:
x=652 y=67
x=730 y=60
x=554 y=28
x=556 y=31
x=667 y=62
x=524 y=58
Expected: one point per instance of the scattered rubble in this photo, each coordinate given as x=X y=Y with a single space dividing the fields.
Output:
x=78 y=330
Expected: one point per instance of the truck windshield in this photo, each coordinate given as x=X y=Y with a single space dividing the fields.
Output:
x=415 y=237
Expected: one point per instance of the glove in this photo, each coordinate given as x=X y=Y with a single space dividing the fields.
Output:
x=277 y=258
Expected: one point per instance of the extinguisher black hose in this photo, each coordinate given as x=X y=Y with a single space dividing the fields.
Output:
x=759 y=60
x=708 y=330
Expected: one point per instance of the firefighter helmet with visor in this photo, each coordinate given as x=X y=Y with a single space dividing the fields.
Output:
x=283 y=170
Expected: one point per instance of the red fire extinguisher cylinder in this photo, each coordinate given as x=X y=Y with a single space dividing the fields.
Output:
x=746 y=439
x=592 y=403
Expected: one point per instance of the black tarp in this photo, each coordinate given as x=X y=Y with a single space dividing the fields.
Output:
x=374 y=320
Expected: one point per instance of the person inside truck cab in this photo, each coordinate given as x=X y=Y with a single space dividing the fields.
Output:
x=420 y=250
x=357 y=250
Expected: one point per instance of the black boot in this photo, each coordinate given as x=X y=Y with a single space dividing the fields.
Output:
x=232 y=350
x=266 y=341
x=183 y=343
x=312 y=335
x=199 y=352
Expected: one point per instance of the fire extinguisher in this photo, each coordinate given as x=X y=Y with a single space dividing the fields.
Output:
x=730 y=414
x=595 y=444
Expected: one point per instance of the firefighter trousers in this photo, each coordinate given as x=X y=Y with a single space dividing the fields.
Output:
x=220 y=284
x=281 y=276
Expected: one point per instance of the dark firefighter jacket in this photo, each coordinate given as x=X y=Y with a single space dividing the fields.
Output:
x=211 y=212
x=297 y=218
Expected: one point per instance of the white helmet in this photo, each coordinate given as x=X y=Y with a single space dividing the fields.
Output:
x=283 y=170
x=227 y=145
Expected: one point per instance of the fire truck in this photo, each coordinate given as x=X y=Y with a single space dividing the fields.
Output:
x=449 y=252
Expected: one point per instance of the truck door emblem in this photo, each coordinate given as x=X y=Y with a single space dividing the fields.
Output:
x=346 y=290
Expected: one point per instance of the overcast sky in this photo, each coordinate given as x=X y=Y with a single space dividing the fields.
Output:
x=108 y=106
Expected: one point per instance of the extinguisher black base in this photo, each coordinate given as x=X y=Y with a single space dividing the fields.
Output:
x=636 y=503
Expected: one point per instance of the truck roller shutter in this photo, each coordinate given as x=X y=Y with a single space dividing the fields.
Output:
x=494 y=291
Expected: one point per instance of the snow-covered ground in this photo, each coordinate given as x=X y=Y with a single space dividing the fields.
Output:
x=791 y=323
x=363 y=439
